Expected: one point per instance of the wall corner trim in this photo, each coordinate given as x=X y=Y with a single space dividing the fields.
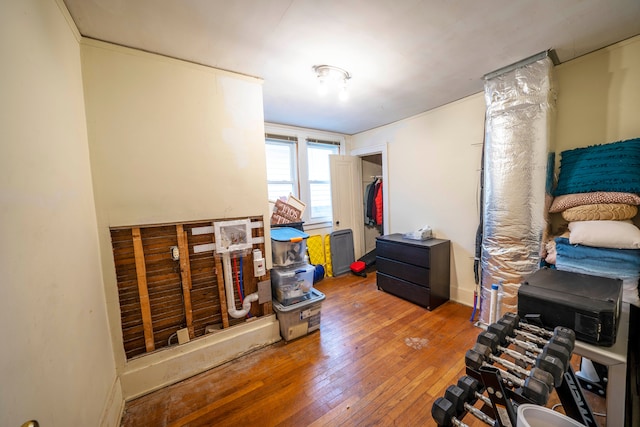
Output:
x=113 y=407
x=67 y=16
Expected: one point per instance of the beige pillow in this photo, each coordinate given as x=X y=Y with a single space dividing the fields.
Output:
x=599 y=212
x=567 y=201
x=605 y=234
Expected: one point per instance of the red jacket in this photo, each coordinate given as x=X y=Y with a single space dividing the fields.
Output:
x=378 y=204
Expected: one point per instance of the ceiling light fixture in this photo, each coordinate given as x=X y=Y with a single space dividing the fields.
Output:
x=330 y=75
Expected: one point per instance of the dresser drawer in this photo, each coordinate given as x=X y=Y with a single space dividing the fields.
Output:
x=409 y=272
x=405 y=253
x=403 y=289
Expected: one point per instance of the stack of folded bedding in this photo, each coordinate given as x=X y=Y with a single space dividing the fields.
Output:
x=598 y=194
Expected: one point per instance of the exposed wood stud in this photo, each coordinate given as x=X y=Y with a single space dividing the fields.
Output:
x=267 y=308
x=177 y=293
x=223 y=298
x=143 y=292
x=185 y=272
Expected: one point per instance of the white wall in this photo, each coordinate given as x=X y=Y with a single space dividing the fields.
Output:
x=170 y=141
x=599 y=97
x=433 y=178
x=56 y=363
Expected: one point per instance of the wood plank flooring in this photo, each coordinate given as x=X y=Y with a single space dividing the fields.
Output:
x=377 y=360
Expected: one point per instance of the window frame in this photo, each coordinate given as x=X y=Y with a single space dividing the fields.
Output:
x=325 y=145
x=292 y=144
x=302 y=137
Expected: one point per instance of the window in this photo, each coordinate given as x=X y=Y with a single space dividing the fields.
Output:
x=299 y=165
x=281 y=166
x=320 y=178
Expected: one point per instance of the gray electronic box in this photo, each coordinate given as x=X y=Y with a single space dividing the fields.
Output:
x=590 y=305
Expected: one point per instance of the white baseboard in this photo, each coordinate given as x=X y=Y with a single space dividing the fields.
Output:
x=162 y=368
x=463 y=296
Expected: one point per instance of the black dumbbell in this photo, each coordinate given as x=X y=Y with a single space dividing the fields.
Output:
x=460 y=399
x=562 y=336
x=535 y=372
x=444 y=413
x=533 y=389
x=505 y=336
x=474 y=390
x=557 y=331
x=507 y=329
x=544 y=361
x=509 y=325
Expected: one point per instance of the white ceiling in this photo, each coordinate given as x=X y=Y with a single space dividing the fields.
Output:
x=405 y=56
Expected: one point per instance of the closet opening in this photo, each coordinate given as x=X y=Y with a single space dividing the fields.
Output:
x=372 y=199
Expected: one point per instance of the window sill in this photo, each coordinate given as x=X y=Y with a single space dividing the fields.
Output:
x=317 y=225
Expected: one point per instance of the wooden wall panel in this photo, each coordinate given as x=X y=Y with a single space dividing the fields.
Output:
x=143 y=290
x=168 y=296
x=205 y=303
x=130 y=313
x=164 y=282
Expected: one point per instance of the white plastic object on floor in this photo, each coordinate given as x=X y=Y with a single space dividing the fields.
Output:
x=530 y=415
x=493 y=309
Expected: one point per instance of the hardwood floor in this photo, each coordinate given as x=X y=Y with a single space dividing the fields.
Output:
x=377 y=360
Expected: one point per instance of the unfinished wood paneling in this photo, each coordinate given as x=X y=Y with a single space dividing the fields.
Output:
x=159 y=295
x=185 y=271
x=130 y=313
x=266 y=308
x=205 y=301
x=164 y=282
x=221 y=294
x=143 y=290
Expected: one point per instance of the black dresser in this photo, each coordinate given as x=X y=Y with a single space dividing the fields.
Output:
x=416 y=270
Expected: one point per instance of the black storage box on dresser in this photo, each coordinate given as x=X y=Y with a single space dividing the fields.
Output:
x=590 y=305
x=415 y=270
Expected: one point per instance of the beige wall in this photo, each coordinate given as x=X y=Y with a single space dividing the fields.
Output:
x=599 y=97
x=170 y=141
x=56 y=363
x=433 y=179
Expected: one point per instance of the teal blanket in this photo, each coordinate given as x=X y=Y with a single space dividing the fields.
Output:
x=606 y=167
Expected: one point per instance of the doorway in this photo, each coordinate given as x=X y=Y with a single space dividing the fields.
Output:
x=373 y=163
x=348 y=184
x=372 y=181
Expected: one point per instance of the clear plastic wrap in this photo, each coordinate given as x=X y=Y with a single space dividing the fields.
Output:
x=519 y=119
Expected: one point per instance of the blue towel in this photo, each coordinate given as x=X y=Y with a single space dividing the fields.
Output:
x=606 y=167
x=606 y=262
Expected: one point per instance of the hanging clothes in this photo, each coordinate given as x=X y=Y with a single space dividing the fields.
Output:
x=378 y=203
x=370 y=195
x=367 y=218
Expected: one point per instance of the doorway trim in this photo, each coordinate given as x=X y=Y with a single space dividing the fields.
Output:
x=378 y=149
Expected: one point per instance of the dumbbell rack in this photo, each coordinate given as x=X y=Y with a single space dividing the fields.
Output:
x=505 y=399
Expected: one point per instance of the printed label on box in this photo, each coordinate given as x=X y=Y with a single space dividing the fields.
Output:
x=309 y=312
